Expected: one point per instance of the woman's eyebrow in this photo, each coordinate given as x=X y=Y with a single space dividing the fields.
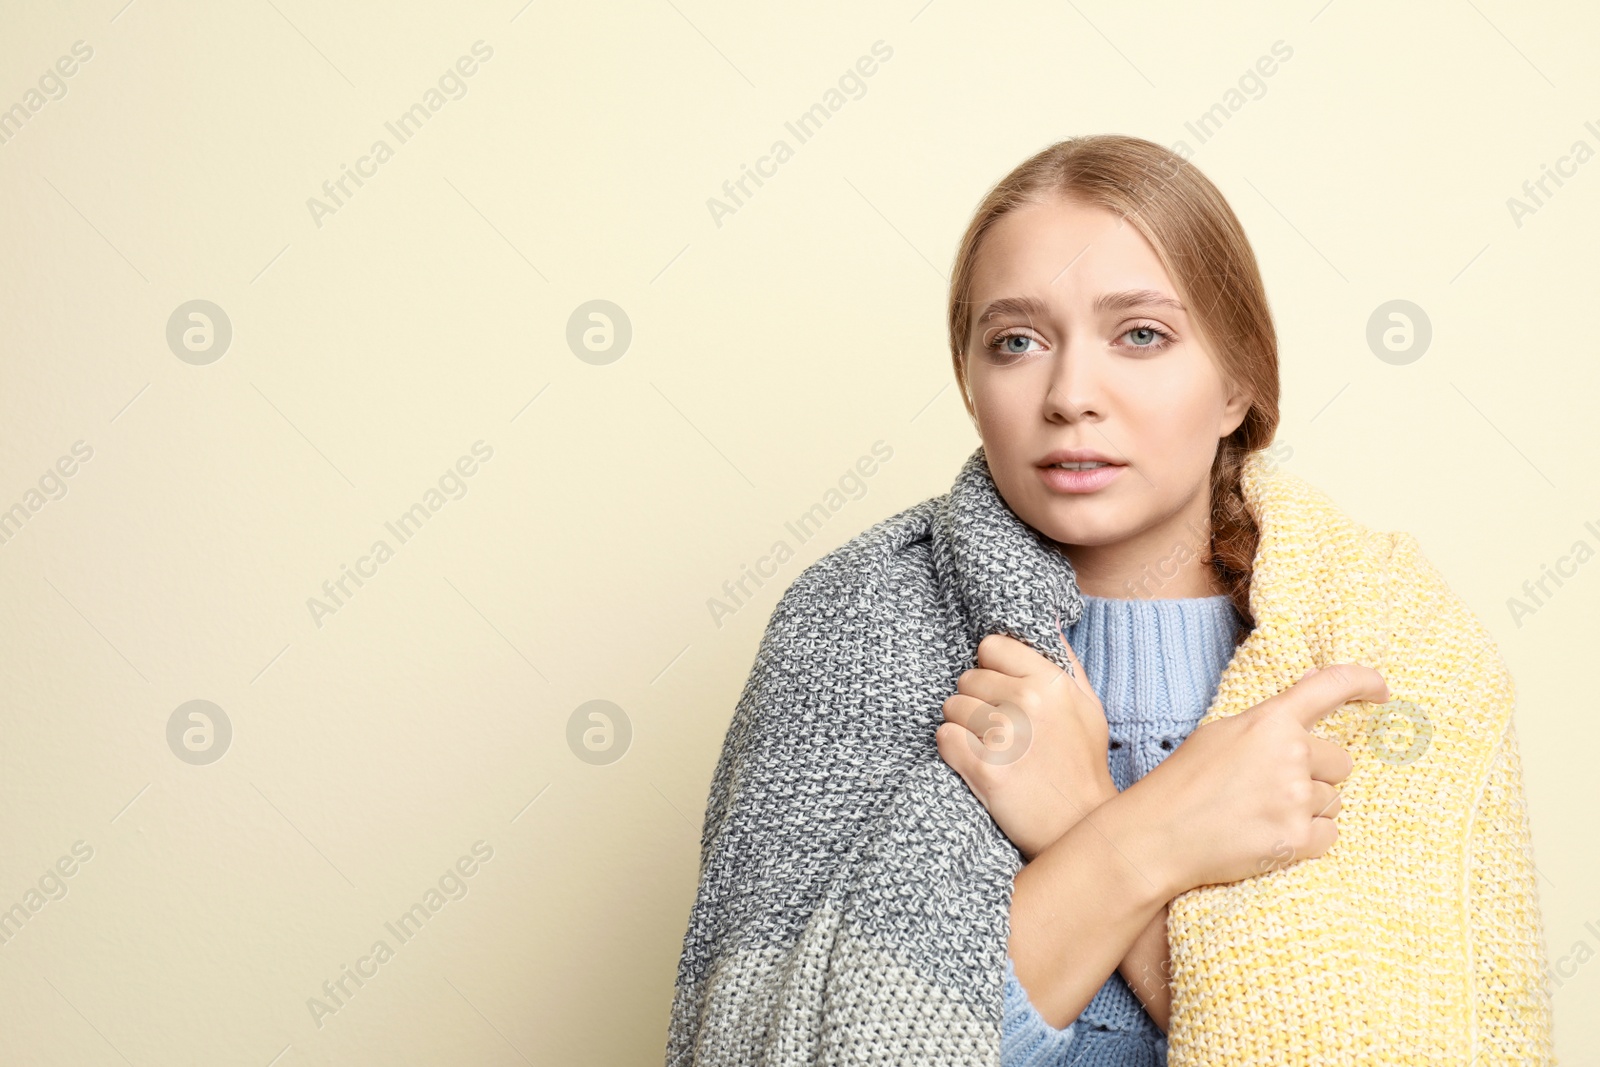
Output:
x=1026 y=306
x=1031 y=308
x=1132 y=298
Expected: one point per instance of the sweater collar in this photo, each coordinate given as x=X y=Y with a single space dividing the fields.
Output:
x=1155 y=660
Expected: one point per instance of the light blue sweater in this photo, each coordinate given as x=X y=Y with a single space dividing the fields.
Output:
x=1155 y=665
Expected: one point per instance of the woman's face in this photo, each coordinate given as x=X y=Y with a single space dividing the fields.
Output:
x=1080 y=351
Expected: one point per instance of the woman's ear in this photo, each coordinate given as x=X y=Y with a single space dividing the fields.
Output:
x=1233 y=412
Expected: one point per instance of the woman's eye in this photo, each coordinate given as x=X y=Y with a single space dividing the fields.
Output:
x=1012 y=344
x=1147 y=337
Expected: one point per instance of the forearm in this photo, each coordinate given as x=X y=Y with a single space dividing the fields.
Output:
x=1148 y=967
x=1080 y=907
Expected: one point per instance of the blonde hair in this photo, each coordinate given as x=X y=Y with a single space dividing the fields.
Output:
x=1203 y=248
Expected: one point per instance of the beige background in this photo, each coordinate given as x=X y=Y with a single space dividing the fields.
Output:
x=430 y=710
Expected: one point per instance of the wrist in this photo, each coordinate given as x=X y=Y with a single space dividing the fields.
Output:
x=1073 y=810
x=1139 y=835
x=1106 y=789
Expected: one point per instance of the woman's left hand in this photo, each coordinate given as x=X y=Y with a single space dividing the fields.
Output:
x=1029 y=740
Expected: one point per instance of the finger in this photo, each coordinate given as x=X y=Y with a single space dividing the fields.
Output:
x=1004 y=653
x=1325 y=800
x=1329 y=761
x=994 y=734
x=993 y=687
x=1324 y=832
x=956 y=750
x=1317 y=694
x=968 y=711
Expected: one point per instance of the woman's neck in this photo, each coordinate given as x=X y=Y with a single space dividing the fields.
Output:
x=1163 y=563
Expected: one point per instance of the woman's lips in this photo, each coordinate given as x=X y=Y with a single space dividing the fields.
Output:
x=1062 y=480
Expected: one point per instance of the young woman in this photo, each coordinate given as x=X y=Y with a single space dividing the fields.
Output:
x=1114 y=346
x=1039 y=769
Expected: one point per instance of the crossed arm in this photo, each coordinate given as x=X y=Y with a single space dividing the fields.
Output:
x=1116 y=921
x=1117 y=916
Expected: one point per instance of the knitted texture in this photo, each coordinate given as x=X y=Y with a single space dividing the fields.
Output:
x=1416 y=938
x=1026 y=1039
x=854 y=897
x=1154 y=665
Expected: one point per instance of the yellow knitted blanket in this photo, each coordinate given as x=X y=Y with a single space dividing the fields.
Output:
x=1416 y=939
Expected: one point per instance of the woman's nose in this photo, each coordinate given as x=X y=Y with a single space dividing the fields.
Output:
x=1075 y=391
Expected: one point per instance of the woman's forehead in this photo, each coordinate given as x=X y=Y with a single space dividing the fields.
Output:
x=1045 y=250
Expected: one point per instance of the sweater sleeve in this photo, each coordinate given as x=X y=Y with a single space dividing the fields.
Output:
x=1027 y=1039
x=1511 y=1005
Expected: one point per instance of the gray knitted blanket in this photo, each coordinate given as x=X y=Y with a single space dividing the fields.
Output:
x=854 y=896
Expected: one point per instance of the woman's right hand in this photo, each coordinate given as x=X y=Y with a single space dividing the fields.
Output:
x=1251 y=791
